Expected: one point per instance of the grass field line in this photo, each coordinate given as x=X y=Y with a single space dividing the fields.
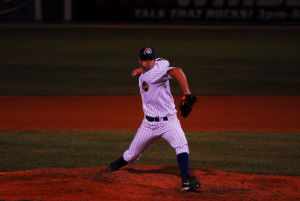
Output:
x=150 y=26
x=79 y=61
x=243 y=152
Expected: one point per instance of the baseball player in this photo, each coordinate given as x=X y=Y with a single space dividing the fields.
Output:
x=160 y=114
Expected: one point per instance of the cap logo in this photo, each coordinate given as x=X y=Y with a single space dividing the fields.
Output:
x=148 y=51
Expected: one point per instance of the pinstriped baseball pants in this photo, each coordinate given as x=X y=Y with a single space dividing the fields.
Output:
x=169 y=130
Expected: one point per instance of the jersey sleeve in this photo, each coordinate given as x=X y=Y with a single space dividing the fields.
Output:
x=160 y=71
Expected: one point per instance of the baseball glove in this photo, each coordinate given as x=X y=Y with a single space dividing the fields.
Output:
x=186 y=104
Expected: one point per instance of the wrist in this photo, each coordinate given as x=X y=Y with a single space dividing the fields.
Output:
x=186 y=92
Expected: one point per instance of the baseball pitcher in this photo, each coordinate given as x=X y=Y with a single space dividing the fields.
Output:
x=160 y=118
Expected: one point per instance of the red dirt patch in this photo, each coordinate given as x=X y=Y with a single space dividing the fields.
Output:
x=212 y=113
x=143 y=183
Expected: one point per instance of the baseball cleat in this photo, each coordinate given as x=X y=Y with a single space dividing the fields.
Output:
x=111 y=169
x=190 y=184
x=116 y=165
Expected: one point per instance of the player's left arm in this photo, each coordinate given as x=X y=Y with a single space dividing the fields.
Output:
x=179 y=75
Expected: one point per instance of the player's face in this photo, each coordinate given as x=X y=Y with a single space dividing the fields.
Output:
x=147 y=64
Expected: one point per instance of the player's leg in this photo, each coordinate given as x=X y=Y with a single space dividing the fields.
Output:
x=176 y=138
x=142 y=139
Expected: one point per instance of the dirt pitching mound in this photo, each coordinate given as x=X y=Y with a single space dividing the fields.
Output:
x=142 y=183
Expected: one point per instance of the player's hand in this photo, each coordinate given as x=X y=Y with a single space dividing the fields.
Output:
x=137 y=72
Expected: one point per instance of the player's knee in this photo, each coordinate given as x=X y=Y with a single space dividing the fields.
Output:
x=182 y=149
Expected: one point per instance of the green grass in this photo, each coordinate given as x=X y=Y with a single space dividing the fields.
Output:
x=244 y=152
x=98 y=61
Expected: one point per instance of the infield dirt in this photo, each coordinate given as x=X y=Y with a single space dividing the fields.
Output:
x=211 y=113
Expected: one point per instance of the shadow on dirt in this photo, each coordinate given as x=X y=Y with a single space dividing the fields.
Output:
x=160 y=170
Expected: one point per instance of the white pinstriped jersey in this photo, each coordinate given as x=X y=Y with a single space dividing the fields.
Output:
x=157 y=102
x=155 y=90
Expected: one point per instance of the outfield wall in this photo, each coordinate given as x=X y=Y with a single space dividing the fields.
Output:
x=214 y=12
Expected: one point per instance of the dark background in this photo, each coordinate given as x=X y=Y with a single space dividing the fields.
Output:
x=214 y=12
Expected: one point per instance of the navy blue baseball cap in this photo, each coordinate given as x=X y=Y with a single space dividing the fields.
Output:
x=147 y=53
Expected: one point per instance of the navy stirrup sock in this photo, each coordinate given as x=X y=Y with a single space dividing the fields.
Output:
x=183 y=162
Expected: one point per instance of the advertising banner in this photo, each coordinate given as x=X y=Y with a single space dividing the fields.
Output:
x=194 y=11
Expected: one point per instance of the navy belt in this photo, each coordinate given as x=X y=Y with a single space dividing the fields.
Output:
x=156 y=119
